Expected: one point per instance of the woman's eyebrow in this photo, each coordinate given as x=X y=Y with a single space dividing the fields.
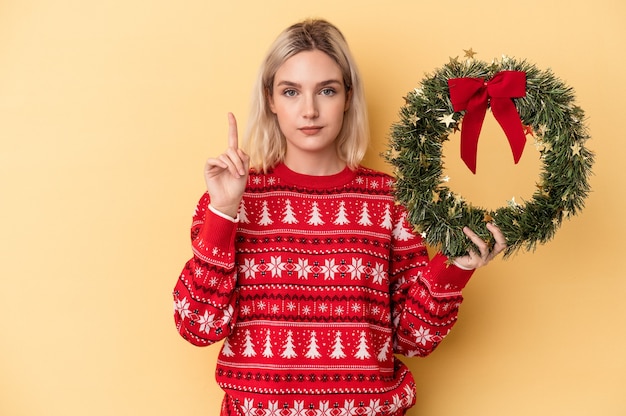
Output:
x=319 y=84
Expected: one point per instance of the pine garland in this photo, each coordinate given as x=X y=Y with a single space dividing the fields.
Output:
x=427 y=119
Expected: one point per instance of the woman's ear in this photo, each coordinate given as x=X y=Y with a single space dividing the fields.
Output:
x=270 y=100
x=348 y=100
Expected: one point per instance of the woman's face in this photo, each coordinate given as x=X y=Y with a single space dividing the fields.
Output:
x=309 y=99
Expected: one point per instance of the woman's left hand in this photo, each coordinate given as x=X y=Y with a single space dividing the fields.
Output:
x=475 y=260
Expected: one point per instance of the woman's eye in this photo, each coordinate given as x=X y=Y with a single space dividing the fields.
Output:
x=289 y=93
x=328 y=91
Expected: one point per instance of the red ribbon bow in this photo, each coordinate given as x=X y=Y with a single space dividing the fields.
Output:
x=472 y=95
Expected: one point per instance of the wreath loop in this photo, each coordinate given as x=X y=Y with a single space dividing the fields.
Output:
x=547 y=111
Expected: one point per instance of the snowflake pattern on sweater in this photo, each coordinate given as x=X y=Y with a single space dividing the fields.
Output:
x=313 y=290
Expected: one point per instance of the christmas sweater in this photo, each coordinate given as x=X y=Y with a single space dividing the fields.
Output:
x=314 y=288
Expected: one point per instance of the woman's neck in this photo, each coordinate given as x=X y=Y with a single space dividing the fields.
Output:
x=315 y=166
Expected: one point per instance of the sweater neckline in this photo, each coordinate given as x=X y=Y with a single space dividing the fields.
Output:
x=290 y=177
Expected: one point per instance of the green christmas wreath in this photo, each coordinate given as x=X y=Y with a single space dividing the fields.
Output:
x=526 y=101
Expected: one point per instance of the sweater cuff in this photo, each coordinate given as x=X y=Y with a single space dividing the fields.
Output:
x=215 y=242
x=445 y=278
x=221 y=214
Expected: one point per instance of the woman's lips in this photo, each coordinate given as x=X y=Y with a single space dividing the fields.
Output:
x=310 y=130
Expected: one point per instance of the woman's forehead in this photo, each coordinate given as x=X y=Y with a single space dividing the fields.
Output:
x=309 y=67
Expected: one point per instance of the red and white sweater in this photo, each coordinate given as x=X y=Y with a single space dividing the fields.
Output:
x=315 y=287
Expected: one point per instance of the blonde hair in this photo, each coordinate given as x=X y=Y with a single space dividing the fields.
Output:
x=264 y=141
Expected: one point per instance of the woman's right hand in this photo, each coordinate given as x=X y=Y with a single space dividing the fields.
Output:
x=226 y=176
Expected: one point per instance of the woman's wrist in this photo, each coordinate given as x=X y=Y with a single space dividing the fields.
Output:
x=458 y=264
x=225 y=212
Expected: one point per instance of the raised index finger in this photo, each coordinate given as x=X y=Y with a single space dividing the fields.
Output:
x=233 y=138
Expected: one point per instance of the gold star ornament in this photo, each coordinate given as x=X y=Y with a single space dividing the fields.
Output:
x=469 y=53
x=447 y=119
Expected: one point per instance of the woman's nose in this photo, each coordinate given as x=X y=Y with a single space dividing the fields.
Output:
x=310 y=107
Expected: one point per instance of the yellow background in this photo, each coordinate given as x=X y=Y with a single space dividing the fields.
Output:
x=107 y=112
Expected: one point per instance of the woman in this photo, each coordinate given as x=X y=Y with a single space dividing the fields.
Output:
x=302 y=262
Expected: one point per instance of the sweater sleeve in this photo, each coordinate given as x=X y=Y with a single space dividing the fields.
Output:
x=425 y=294
x=205 y=293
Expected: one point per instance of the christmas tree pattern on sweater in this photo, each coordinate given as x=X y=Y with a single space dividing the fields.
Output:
x=311 y=294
